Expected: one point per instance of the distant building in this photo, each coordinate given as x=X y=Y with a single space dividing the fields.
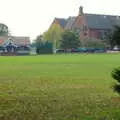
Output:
x=88 y=26
x=16 y=40
x=14 y=45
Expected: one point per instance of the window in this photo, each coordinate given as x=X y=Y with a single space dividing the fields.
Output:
x=85 y=28
x=85 y=34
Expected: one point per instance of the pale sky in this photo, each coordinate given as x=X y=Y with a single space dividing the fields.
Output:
x=33 y=17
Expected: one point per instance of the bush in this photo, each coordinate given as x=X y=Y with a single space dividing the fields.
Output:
x=116 y=76
x=94 y=43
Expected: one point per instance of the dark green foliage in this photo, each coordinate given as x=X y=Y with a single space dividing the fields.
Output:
x=70 y=40
x=116 y=76
x=116 y=88
x=115 y=38
x=44 y=48
x=3 y=30
x=108 y=39
x=3 y=34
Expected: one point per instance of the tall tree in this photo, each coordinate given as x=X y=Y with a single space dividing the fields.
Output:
x=42 y=46
x=70 y=40
x=115 y=38
x=54 y=35
x=39 y=39
x=37 y=42
x=4 y=30
x=108 y=39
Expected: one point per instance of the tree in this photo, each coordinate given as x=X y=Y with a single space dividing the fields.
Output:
x=37 y=42
x=116 y=76
x=115 y=38
x=54 y=35
x=70 y=40
x=42 y=46
x=4 y=30
x=39 y=39
x=108 y=38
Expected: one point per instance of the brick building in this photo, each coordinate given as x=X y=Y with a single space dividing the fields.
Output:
x=94 y=26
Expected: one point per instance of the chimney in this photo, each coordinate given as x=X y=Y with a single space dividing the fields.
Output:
x=81 y=10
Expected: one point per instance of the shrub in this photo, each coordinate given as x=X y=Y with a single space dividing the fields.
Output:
x=94 y=43
x=116 y=76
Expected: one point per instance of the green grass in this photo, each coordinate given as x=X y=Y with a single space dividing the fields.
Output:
x=59 y=87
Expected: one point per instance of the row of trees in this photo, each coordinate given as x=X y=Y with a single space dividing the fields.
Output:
x=70 y=39
x=59 y=38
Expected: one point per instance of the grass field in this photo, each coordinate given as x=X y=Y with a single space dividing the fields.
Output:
x=59 y=87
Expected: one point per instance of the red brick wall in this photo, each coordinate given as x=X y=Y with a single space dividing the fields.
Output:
x=80 y=23
x=94 y=33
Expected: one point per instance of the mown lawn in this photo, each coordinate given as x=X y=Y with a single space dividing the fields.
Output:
x=59 y=87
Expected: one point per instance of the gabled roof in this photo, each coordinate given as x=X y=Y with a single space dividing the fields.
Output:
x=94 y=21
x=70 y=23
x=97 y=21
x=62 y=21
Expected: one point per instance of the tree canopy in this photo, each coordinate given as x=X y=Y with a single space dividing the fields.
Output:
x=115 y=38
x=70 y=40
x=3 y=30
x=54 y=34
x=39 y=39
